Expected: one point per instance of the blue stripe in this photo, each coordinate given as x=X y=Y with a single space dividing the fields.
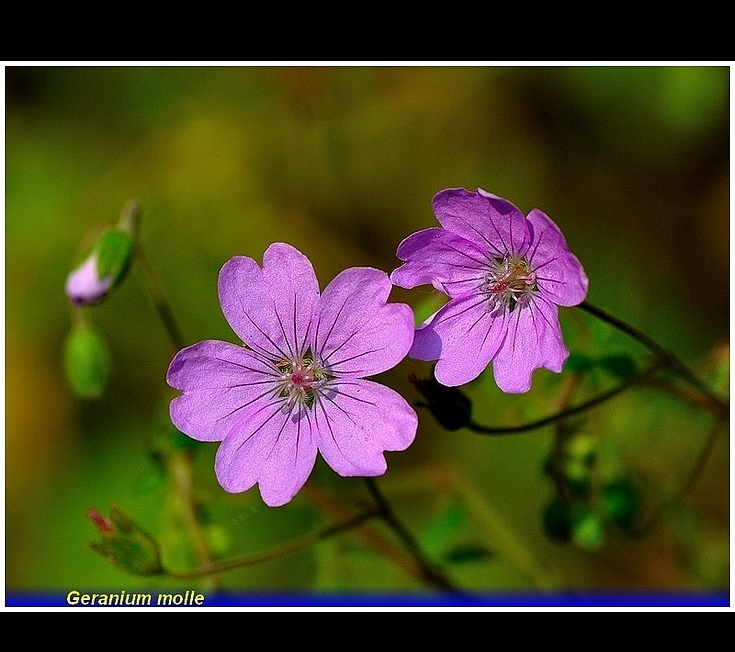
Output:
x=170 y=598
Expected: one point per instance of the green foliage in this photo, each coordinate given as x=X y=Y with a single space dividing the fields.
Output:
x=619 y=501
x=126 y=545
x=557 y=520
x=578 y=362
x=620 y=365
x=587 y=529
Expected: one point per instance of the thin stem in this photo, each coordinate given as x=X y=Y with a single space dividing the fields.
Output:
x=181 y=473
x=686 y=488
x=430 y=574
x=280 y=551
x=568 y=412
x=562 y=431
x=667 y=356
x=160 y=301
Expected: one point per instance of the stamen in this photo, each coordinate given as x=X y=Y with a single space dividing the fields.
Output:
x=509 y=282
x=301 y=380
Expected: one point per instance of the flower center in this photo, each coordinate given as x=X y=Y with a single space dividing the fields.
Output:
x=301 y=379
x=509 y=282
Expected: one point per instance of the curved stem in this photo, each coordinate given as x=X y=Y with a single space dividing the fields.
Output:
x=274 y=553
x=696 y=471
x=181 y=473
x=431 y=574
x=568 y=412
x=667 y=356
x=160 y=301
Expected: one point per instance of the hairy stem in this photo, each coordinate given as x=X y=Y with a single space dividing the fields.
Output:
x=181 y=472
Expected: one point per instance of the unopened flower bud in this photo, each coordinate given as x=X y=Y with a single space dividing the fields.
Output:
x=450 y=407
x=105 y=266
x=87 y=361
x=125 y=544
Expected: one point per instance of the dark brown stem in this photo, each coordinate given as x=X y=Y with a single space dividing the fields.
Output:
x=430 y=574
x=569 y=412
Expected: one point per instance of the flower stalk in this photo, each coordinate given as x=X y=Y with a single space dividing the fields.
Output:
x=429 y=572
x=717 y=405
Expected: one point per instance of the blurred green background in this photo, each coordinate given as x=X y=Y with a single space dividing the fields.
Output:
x=342 y=162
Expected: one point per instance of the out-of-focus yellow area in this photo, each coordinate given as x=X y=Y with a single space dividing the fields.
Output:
x=342 y=162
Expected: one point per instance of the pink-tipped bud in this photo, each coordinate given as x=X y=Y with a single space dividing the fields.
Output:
x=103 y=524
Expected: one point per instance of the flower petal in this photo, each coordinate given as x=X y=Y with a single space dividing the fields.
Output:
x=357 y=421
x=435 y=256
x=354 y=330
x=273 y=448
x=220 y=381
x=534 y=340
x=270 y=309
x=83 y=285
x=558 y=271
x=463 y=336
x=493 y=224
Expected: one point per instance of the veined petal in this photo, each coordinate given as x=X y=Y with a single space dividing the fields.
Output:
x=435 y=256
x=270 y=308
x=558 y=271
x=493 y=224
x=534 y=340
x=354 y=330
x=220 y=383
x=357 y=421
x=273 y=448
x=463 y=337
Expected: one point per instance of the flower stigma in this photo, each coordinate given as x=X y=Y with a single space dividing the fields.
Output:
x=509 y=282
x=301 y=379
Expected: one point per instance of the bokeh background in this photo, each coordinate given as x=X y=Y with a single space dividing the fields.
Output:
x=342 y=162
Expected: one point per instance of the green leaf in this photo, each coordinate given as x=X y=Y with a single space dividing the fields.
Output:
x=588 y=531
x=126 y=544
x=557 y=520
x=467 y=553
x=620 y=365
x=578 y=362
x=619 y=500
x=445 y=525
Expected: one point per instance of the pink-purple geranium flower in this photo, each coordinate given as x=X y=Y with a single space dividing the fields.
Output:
x=298 y=385
x=505 y=275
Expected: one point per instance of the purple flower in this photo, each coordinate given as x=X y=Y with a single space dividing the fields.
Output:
x=505 y=275
x=298 y=385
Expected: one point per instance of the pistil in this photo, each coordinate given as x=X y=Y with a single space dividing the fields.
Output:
x=509 y=282
x=300 y=379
